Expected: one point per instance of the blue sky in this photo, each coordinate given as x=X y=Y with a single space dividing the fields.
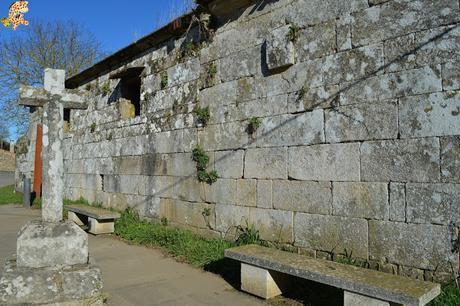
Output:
x=115 y=23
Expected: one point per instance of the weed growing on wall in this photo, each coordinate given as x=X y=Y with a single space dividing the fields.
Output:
x=202 y=160
x=93 y=127
x=293 y=34
x=163 y=79
x=105 y=89
x=189 y=49
x=254 y=124
x=202 y=115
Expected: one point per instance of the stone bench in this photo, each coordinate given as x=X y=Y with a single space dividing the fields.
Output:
x=98 y=220
x=264 y=273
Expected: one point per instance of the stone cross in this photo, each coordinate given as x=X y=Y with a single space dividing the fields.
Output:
x=53 y=98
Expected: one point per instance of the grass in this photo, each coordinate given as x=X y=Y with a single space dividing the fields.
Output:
x=450 y=296
x=179 y=243
x=8 y=196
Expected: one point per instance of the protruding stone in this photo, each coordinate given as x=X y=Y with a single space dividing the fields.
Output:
x=280 y=50
x=41 y=244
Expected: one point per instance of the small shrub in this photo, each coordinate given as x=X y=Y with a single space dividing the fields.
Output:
x=211 y=74
x=200 y=157
x=206 y=212
x=293 y=34
x=93 y=127
x=247 y=235
x=189 y=49
x=163 y=79
x=203 y=115
x=254 y=124
x=105 y=88
x=202 y=160
x=301 y=94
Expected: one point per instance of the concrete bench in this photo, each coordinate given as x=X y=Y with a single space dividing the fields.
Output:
x=98 y=220
x=264 y=273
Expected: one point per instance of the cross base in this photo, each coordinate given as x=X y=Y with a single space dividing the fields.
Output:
x=42 y=244
x=72 y=286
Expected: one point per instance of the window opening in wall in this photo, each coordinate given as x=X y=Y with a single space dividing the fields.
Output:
x=130 y=86
x=67 y=115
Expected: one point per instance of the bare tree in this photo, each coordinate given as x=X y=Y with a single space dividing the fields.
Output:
x=23 y=56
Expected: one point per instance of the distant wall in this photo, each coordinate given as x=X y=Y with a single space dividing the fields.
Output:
x=7 y=161
x=358 y=150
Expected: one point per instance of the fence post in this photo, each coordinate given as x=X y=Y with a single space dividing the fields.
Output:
x=26 y=194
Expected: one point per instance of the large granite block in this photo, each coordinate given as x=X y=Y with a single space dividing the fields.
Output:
x=361 y=200
x=362 y=122
x=450 y=159
x=269 y=163
x=280 y=52
x=334 y=162
x=433 y=203
x=331 y=234
x=41 y=244
x=437 y=114
x=310 y=197
x=273 y=225
x=410 y=160
x=424 y=246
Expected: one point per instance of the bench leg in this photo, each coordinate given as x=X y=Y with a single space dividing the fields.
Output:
x=261 y=282
x=97 y=228
x=354 y=299
x=75 y=218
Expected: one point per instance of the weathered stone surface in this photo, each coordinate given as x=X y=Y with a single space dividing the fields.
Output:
x=437 y=114
x=331 y=234
x=410 y=160
x=41 y=244
x=400 y=53
x=280 y=51
x=310 y=197
x=229 y=164
x=269 y=163
x=241 y=64
x=187 y=213
x=184 y=72
x=273 y=225
x=433 y=203
x=393 y=85
x=396 y=18
x=353 y=299
x=337 y=162
x=450 y=159
x=259 y=282
x=316 y=41
x=228 y=136
x=451 y=76
x=308 y=12
x=126 y=109
x=288 y=130
x=362 y=122
x=75 y=286
x=361 y=200
x=230 y=216
x=438 y=45
x=386 y=287
x=223 y=191
x=311 y=98
x=353 y=64
x=264 y=194
x=417 y=245
x=188 y=189
x=397 y=202
x=247 y=192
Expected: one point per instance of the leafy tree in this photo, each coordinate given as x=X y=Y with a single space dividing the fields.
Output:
x=24 y=55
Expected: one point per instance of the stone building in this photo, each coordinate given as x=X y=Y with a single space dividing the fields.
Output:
x=333 y=128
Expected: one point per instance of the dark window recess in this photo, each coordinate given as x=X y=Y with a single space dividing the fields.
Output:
x=130 y=86
x=67 y=114
x=131 y=90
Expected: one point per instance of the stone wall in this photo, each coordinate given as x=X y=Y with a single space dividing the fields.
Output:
x=7 y=161
x=358 y=147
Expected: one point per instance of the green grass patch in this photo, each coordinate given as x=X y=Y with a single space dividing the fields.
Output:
x=179 y=243
x=450 y=296
x=9 y=196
